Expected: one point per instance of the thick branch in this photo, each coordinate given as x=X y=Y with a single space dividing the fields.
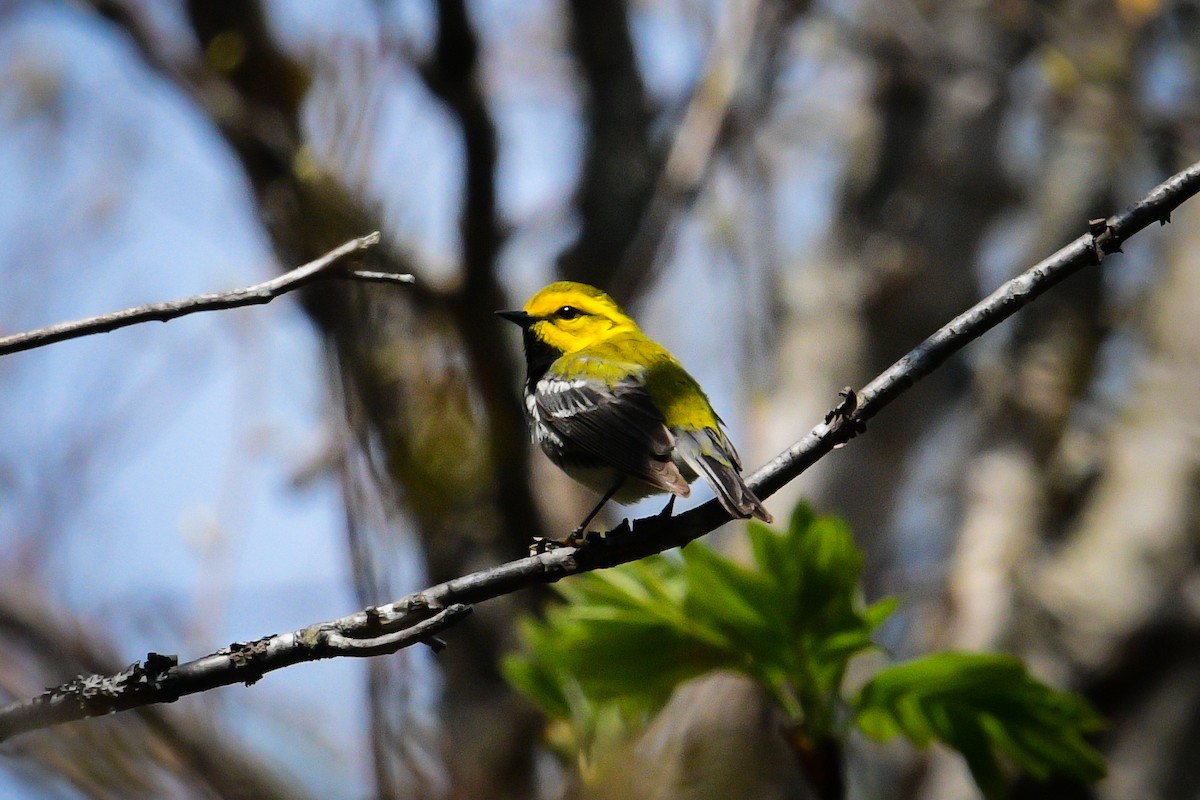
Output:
x=161 y=679
x=399 y=624
x=325 y=267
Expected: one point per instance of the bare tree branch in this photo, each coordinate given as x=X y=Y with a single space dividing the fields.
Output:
x=161 y=679
x=326 y=267
x=419 y=616
x=740 y=70
x=154 y=752
x=621 y=158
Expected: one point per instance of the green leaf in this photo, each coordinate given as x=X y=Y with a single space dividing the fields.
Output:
x=876 y=613
x=529 y=677
x=624 y=638
x=774 y=557
x=984 y=706
x=831 y=564
x=736 y=604
x=975 y=747
x=791 y=620
x=624 y=634
x=802 y=517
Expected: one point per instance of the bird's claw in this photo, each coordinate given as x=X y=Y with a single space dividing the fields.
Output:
x=576 y=539
x=579 y=539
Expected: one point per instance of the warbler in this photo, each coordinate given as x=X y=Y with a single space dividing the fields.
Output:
x=615 y=410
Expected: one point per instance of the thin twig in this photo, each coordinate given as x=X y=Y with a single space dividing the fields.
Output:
x=379 y=277
x=247 y=663
x=325 y=267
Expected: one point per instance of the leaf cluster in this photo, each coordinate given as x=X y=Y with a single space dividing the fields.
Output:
x=611 y=654
x=983 y=705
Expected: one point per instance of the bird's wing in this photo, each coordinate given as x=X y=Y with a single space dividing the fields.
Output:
x=709 y=452
x=617 y=425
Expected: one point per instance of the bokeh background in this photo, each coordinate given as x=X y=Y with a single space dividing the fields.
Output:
x=788 y=194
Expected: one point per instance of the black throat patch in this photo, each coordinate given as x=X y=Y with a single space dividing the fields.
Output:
x=538 y=356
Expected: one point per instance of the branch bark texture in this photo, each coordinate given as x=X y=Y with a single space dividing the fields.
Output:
x=420 y=616
x=326 y=267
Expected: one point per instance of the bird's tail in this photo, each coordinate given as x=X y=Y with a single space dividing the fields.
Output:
x=710 y=454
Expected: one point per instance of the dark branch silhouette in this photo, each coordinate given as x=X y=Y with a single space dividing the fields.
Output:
x=328 y=266
x=419 y=616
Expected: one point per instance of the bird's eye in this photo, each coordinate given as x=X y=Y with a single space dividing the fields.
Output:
x=568 y=312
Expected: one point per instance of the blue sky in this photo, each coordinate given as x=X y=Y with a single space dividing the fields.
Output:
x=145 y=474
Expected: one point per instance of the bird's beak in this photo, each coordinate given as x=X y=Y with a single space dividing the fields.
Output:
x=519 y=317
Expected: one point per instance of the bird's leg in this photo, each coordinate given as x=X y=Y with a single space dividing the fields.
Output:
x=577 y=537
x=580 y=534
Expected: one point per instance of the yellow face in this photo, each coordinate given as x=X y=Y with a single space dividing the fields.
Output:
x=571 y=316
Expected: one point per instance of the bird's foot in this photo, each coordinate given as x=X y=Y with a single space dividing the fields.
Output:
x=579 y=539
x=576 y=539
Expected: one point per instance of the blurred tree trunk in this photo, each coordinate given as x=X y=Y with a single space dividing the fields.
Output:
x=923 y=186
x=426 y=387
x=621 y=162
x=1075 y=514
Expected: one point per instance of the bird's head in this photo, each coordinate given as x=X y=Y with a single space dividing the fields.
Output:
x=567 y=317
